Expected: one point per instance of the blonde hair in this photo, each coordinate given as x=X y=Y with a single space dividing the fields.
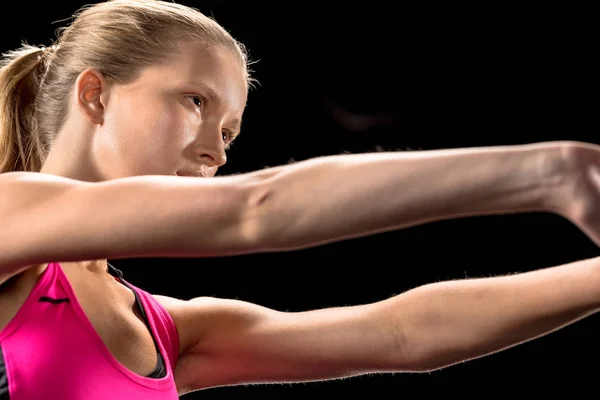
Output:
x=118 y=38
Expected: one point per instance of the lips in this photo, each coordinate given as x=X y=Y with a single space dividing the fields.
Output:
x=200 y=171
x=191 y=174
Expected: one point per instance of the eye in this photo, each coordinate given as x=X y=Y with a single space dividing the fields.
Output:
x=198 y=101
x=228 y=139
x=227 y=136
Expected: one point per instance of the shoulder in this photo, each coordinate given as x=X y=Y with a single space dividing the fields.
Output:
x=197 y=318
x=180 y=311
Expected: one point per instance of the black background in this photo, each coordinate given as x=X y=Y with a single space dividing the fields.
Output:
x=340 y=78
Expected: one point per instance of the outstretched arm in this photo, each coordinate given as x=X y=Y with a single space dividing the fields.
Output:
x=227 y=342
x=46 y=218
x=338 y=197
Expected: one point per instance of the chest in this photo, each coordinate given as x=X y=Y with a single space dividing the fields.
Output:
x=104 y=309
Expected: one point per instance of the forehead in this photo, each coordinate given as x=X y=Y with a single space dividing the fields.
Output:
x=215 y=70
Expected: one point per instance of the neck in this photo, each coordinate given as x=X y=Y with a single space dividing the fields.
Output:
x=95 y=266
x=70 y=156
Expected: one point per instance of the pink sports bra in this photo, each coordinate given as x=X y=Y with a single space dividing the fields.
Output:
x=50 y=349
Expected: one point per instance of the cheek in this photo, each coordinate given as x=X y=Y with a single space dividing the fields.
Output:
x=147 y=136
x=159 y=144
x=162 y=139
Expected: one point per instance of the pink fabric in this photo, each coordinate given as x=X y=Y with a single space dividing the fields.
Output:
x=52 y=351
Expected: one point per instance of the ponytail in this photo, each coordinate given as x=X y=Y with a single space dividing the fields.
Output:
x=20 y=148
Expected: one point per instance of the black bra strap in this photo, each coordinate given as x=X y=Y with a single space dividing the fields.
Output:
x=160 y=371
x=114 y=271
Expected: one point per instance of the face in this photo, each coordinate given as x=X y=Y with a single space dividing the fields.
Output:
x=177 y=118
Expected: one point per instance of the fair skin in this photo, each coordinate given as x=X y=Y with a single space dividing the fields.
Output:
x=150 y=127
x=116 y=136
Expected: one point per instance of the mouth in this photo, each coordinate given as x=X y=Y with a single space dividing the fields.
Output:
x=190 y=174
x=202 y=171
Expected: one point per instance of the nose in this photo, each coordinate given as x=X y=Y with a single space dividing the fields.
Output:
x=212 y=157
x=210 y=150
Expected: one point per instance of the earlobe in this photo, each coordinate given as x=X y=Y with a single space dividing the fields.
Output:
x=89 y=93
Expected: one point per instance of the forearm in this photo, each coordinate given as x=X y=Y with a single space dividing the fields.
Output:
x=450 y=322
x=339 y=197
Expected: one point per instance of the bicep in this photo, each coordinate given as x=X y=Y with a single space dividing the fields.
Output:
x=28 y=204
x=46 y=218
x=234 y=342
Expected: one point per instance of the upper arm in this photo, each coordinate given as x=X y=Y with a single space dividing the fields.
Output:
x=47 y=218
x=29 y=203
x=227 y=342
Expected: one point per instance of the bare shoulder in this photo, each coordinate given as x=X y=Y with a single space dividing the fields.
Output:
x=183 y=316
x=29 y=212
x=195 y=319
x=10 y=182
x=19 y=189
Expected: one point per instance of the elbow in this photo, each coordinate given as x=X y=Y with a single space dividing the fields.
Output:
x=269 y=220
x=400 y=352
x=419 y=353
x=414 y=348
x=257 y=216
x=281 y=214
x=404 y=357
x=409 y=356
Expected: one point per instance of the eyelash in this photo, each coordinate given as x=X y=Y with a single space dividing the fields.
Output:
x=225 y=131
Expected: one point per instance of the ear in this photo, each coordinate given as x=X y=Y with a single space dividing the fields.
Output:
x=91 y=89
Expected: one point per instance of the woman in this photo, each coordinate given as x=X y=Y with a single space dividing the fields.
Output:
x=100 y=135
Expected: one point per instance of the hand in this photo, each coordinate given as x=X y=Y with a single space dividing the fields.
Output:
x=577 y=190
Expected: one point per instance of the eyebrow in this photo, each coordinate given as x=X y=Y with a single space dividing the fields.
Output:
x=212 y=95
